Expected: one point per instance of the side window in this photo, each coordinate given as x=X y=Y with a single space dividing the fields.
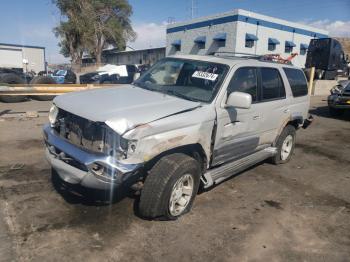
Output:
x=271 y=84
x=297 y=81
x=244 y=80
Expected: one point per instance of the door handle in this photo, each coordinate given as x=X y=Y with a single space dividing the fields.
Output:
x=256 y=117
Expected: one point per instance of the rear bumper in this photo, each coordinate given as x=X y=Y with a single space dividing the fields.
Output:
x=75 y=165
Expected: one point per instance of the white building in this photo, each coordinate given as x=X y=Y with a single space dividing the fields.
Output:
x=241 y=32
x=22 y=57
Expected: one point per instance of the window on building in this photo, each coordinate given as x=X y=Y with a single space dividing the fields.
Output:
x=303 y=49
x=220 y=39
x=249 y=43
x=272 y=47
x=176 y=45
x=289 y=47
x=271 y=84
x=250 y=40
x=244 y=80
x=200 y=42
x=272 y=43
x=297 y=81
x=201 y=45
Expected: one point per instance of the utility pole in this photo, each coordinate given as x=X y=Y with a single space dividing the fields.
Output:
x=193 y=8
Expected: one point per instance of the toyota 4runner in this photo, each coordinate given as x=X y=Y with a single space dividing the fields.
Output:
x=189 y=121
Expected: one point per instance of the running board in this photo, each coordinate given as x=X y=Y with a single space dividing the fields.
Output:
x=218 y=174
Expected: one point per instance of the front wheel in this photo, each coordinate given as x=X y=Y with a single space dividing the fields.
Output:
x=285 y=145
x=170 y=187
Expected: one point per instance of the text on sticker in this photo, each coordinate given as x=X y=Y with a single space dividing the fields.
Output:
x=205 y=75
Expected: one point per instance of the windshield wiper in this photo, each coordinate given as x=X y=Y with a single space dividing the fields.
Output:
x=173 y=92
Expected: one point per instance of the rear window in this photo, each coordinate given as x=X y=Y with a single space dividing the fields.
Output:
x=272 y=84
x=297 y=81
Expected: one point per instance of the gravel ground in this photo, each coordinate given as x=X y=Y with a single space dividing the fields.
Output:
x=299 y=211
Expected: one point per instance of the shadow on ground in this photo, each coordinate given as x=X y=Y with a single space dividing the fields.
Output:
x=323 y=111
x=77 y=194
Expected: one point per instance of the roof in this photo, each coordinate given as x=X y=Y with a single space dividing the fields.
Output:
x=240 y=15
x=25 y=46
x=229 y=60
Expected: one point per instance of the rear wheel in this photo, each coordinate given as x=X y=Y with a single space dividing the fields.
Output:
x=285 y=145
x=11 y=78
x=170 y=187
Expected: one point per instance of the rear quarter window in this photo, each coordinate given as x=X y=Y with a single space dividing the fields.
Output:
x=271 y=84
x=297 y=81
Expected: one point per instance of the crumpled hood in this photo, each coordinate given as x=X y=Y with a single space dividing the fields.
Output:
x=123 y=107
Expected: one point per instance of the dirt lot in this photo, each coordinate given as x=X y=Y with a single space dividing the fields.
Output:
x=299 y=211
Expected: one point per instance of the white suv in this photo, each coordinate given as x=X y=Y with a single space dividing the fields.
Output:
x=186 y=122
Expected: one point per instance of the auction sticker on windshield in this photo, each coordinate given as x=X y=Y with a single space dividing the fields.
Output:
x=205 y=75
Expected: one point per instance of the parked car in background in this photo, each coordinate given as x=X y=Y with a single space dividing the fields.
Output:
x=339 y=99
x=64 y=76
x=111 y=74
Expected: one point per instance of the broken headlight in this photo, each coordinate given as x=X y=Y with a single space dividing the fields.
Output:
x=336 y=90
x=128 y=146
x=117 y=146
x=53 y=114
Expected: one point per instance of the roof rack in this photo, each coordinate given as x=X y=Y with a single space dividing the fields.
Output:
x=235 y=54
x=273 y=58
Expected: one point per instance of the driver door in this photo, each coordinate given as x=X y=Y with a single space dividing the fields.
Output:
x=238 y=130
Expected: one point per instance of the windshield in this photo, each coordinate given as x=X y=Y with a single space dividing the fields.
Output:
x=60 y=73
x=188 y=79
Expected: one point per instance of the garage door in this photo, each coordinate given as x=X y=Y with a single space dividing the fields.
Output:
x=11 y=58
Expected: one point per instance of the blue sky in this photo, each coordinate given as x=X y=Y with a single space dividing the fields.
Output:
x=31 y=22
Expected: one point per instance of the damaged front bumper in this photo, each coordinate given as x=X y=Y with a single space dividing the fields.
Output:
x=78 y=166
x=339 y=102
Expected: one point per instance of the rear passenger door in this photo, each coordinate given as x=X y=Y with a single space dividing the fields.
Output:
x=301 y=100
x=273 y=103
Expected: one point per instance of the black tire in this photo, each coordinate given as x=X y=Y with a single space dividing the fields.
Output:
x=335 y=112
x=43 y=80
x=157 y=189
x=289 y=130
x=11 y=78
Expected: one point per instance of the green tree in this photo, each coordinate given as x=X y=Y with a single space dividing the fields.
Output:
x=71 y=41
x=92 y=25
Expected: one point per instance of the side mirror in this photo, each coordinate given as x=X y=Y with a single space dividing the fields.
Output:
x=239 y=100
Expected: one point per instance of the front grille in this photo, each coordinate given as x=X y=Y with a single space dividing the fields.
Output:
x=80 y=131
